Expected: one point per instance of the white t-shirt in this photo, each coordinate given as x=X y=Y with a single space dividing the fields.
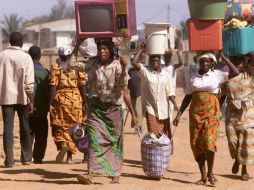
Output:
x=171 y=71
x=209 y=82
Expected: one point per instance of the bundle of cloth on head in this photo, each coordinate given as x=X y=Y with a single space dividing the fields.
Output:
x=209 y=56
x=235 y=23
x=64 y=50
x=87 y=48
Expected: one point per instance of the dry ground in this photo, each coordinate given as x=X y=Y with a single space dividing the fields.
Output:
x=181 y=175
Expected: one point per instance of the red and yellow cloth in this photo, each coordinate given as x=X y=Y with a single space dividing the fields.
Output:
x=204 y=122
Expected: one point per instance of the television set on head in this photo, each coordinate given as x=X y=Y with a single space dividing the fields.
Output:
x=105 y=18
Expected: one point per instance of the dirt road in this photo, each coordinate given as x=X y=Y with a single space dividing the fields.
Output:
x=181 y=175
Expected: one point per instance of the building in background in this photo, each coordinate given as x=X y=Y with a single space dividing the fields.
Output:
x=51 y=34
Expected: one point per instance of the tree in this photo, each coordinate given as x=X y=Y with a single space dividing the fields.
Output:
x=61 y=10
x=184 y=29
x=11 y=24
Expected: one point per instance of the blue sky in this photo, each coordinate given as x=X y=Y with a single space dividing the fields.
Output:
x=146 y=10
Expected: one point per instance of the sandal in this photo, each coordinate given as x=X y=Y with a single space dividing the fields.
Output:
x=85 y=179
x=202 y=181
x=245 y=177
x=115 y=179
x=235 y=168
x=213 y=181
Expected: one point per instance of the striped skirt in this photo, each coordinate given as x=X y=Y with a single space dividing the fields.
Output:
x=241 y=144
x=105 y=131
x=239 y=120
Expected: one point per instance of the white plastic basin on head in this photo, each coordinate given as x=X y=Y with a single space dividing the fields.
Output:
x=157 y=43
x=156 y=27
x=157 y=37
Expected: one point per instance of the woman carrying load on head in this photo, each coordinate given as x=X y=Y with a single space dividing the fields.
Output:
x=106 y=92
x=66 y=99
x=204 y=113
x=239 y=121
x=157 y=91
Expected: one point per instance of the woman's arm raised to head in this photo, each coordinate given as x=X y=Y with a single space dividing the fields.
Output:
x=79 y=41
x=231 y=66
x=135 y=61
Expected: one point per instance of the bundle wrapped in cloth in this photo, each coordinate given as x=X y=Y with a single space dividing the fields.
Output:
x=155 y=154
x=87 y=52
x=235 y=23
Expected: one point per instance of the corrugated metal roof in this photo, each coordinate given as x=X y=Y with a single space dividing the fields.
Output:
x=65 y=25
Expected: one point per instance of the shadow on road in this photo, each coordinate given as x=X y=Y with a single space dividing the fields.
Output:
x=59 y=182
x=80 y=170
x=179 y=180
x=44 y=173
x=181 y=172
x=143 y=177
x=230 y=176
x=132 y=163
x=135 y=162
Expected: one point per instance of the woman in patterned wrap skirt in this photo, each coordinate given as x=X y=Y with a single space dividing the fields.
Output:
x=204 y=113
x=66 y=89
x=106 y=88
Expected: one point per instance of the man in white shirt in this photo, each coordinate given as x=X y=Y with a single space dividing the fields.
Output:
x=17 y=85
x=170 y=69
x=156 y=92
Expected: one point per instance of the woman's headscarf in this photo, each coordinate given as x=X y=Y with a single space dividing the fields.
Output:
x=209 y=56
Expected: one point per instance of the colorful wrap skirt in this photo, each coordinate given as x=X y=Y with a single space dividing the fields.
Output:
x=66 y=110
x=105 y=131
x=154 y=125
x=204 y=122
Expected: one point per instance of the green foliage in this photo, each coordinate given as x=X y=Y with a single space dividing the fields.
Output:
x=184 y=29
x=11 y=23
x=61 y=10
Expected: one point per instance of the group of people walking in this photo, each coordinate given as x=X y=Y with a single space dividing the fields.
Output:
x=33 y=91
x=94 y=93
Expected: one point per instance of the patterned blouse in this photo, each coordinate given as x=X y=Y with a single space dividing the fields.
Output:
x=106 y=82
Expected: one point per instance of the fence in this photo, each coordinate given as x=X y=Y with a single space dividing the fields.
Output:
x=47 y=59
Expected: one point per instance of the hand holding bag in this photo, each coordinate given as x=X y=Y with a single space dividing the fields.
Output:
x=79 y=137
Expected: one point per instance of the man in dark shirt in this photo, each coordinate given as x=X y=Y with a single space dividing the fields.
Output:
x=134 y=88
x=38 y=120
